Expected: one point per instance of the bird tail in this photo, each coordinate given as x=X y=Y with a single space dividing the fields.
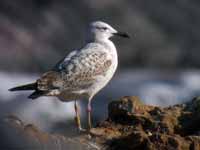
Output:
x=37 y=94
x=32 y=86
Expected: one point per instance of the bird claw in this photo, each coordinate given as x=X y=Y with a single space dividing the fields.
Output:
x=82 y=130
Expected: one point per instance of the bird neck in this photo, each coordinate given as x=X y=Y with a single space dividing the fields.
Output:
x=102 y=40
x=107 y=43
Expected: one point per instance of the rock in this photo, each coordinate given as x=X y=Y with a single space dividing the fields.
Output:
x=149 y=127
x=130 y=125
x=14 y=134
x=108 y=133
x=194 y=105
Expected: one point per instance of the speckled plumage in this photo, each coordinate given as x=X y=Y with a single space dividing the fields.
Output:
x=82 y=73
x=73 y=77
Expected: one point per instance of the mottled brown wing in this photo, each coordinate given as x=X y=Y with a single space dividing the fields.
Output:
x=78 y=73
x=65 y=60
x=49 y=81
x=82 y=70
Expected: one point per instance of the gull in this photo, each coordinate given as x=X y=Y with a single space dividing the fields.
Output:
x=82 y=73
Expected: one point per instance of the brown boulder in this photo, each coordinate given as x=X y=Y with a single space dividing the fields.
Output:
x=131 y=125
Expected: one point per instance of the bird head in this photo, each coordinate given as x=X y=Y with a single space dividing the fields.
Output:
x=102 y=31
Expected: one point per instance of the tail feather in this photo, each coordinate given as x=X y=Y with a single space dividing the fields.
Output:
x=32 y=86
x=36 y=94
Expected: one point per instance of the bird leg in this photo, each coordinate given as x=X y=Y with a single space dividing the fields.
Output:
x=89 y=109
x=77 y=117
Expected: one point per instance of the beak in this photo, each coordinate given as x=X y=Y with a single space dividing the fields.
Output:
x=122 y=34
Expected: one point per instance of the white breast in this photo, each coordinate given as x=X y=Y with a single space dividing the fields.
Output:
x=103 y=80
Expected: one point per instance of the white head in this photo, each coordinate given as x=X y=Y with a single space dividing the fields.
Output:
x=99 y=31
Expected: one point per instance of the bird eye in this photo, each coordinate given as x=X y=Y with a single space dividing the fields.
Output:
x=102 y=28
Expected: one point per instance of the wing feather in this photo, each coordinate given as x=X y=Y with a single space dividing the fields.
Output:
x=82 y=71
x=78 y=70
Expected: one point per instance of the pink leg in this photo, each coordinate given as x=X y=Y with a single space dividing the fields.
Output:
x=89 y=110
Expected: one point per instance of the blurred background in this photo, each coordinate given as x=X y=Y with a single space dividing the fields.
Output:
x=160 y=63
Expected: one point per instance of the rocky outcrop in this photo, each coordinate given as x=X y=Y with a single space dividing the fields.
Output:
x=130 y=125
x=139 y=126
x=14 y=134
